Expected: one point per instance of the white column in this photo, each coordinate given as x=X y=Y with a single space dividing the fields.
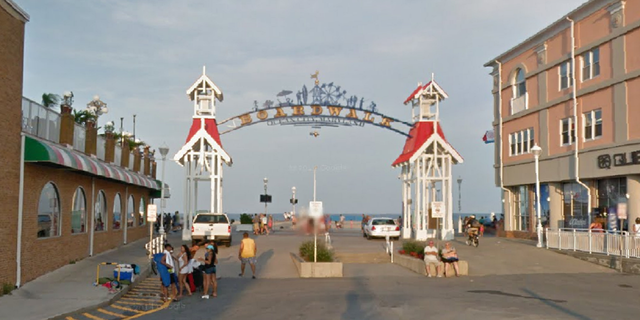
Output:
x=449 y=232
x=555 y=205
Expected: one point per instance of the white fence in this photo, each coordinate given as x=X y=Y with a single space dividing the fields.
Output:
x=156 y=245
x=40 y=121
x=79 y=137
x=585 y=240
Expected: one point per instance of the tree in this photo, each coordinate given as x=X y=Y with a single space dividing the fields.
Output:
x=50 y=100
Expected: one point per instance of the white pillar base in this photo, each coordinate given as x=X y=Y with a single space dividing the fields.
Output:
x=422 y=235
x=186 y=233
x=406 y=233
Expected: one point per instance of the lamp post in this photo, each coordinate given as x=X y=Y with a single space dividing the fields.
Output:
x=97 y=107
x=163 y=152
x=536 y=150
x=459 y=194
x=265 y=194
x=293 y=201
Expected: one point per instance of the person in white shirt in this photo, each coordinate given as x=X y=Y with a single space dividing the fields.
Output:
x=431 y=257
x=167 y=261
x=636 y=227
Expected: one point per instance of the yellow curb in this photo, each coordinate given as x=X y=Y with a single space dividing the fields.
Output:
x=164 y=306
x=111 y=313
x=125 y=308
x=90 y=316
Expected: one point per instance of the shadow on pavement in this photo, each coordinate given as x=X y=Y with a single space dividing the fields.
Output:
x=554 y=305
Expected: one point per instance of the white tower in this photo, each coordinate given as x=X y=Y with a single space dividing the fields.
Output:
x=202 y=155
x=426 y=163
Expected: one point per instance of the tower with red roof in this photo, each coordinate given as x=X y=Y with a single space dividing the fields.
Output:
x=426 y=162
x=202 y=155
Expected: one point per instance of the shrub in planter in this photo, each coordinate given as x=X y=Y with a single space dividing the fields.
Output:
x=402 y=252
x=323 y=254
x=410 y=246
x=246 y=219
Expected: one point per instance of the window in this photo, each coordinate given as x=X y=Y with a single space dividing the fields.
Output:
x=79 y=212
x=522 y=208
x=142 y=213
x=211 y=218
x=521 y=142
x=592 y=124
x=611 y=192
x=100 y=214
x=567 y=131
x=131 y=212
x=117 y=212
x=566 y=77
x=575 y=200
x=519 y=84
x=591 y=64
x=49 y=212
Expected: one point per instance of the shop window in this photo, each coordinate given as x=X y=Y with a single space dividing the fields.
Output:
x=576 y=201
x=142 y=213
x=100 y=212
x=522 y=208
x=79 y=212
x=592 y=124
x=565 y=74
x=131 y=212
x=117 y=212
x=49 y=212
x=611 y=192
x=567 y=131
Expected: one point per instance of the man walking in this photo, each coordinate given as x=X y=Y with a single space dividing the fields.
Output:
x=247 y=254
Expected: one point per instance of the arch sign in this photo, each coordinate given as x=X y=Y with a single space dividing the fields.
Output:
x=324 y=105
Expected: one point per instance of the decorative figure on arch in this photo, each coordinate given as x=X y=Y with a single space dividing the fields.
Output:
x=299 y=97
x=315 y=76
x=361 y=103
x=316 y=95
x=373 y=107
x=255 y=105
x=305 y=94
x=352 y=101
x=267 y=104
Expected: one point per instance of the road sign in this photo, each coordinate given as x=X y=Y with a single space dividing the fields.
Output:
x=152 y=213
x=315 y=209
x=437 y=209
x=622 y=211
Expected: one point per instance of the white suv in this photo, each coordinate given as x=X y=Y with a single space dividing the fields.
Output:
x=211 y=226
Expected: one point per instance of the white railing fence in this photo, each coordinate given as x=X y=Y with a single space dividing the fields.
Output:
x=156 y=245
x=79 y=137
x=117 y=155
x=40 y=121
x=619 y=243
x=388 y=247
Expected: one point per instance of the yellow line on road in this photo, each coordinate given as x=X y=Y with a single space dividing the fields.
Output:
x=164 y=306
x=150 y=299
x=111 y=313
x=70 y=318
x=140 y=303
x=124 y=308
x=90 y=316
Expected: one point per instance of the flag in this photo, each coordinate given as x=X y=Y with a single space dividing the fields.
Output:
x=488 y=137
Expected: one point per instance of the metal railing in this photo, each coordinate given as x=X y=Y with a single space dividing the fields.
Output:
x=619 y=243
x=327 y=240
x=40 y=121
x=156 y=245
x=101 y=145
x=388 y=247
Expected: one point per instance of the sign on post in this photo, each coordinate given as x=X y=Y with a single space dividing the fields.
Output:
x=622 y=211
x=152 y=213
x=315 y=209
x=437 y=209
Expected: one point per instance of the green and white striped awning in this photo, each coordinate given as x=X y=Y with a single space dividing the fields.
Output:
x=37 y=150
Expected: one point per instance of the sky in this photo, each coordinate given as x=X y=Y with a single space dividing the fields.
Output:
x=141 y=56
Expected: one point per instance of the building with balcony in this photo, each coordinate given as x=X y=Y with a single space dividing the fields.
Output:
x=571 y=89
x=67 y=191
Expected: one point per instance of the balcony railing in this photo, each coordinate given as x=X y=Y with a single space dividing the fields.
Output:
x=40 y=121
x=79 y=137
x=520 y=103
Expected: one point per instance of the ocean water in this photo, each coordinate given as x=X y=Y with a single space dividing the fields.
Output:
x=358 y=216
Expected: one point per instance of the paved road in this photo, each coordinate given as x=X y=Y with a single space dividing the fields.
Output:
x=509 y=280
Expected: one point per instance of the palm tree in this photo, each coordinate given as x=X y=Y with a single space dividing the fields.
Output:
x=50 y=100
x=82 y=116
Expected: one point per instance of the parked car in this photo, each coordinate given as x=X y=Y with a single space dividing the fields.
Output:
x=211 y=226
x=381 y=228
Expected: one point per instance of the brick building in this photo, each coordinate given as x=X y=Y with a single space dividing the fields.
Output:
x=82 y=193
x=578 y=103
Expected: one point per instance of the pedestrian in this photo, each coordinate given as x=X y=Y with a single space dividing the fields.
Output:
x=636 y=228
x=363 y=222
x=256 y=224
x=270 y=223
x=184 y=263
x=263 y=224
x=210 y=260
x=167 y=261
x=247 y=254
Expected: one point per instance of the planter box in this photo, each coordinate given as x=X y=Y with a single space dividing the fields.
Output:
x=317 y=270
x=417 y=265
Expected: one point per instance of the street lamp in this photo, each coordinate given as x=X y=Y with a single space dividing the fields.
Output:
x=293 y=201
x=97 y=107
x=265 y=194
x=536 y=150
x=163 y=152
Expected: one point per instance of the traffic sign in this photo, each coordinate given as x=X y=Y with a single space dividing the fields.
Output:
x=152 y=213
x=622 y=211
x=437 y=209
x=315 y=209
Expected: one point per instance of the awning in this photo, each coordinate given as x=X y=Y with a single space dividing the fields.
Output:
x=37 y=150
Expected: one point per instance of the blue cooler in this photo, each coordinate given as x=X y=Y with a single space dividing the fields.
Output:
x=125 y=273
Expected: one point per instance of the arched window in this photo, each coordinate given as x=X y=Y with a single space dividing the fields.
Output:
x=117 y=212
x=519 y=84
x=100 y=216
x=79 y=212
x=131 y=212
x=49 y=212
x=142 y=213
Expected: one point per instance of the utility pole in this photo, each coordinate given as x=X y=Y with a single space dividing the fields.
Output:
x=459 y=194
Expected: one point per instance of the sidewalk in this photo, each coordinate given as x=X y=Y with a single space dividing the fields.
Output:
x=70 y=288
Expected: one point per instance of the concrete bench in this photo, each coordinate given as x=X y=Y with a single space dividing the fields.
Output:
x=417 y=265
x=244 y=228
x=317 y=270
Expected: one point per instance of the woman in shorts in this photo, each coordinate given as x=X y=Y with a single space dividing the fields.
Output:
x=449 y=255
x=210 y=261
